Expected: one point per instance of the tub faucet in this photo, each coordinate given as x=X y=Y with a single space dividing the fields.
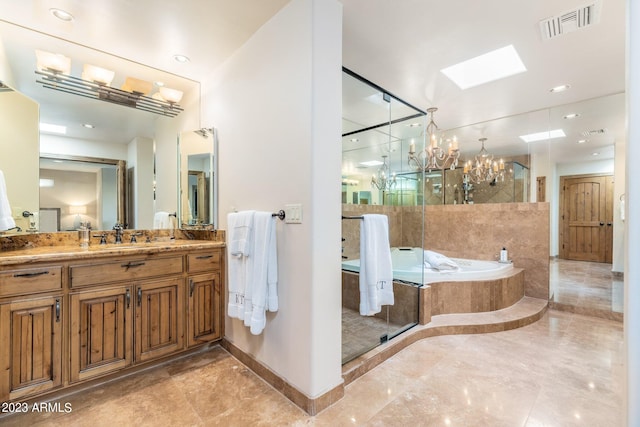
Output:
x=119 y=228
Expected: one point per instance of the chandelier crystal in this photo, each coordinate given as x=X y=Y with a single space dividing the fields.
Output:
x=434 y=156
x=483 y=168
x=382 y=180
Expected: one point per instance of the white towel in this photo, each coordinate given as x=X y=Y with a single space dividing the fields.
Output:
x=239 y=225
x=6 y=218
x=263 y=283
x=376 y=272
x=161 y=220
x=439 y=262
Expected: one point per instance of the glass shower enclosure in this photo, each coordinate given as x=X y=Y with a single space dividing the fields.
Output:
x=378 y=129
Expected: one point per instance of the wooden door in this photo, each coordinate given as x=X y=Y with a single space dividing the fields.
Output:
x=101 y=332
x=31 y=350
x=204 y=308
x=159 y=324
x=587 y=218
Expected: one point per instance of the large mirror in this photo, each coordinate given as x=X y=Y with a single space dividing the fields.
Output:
x=98 y=132
x=197 y=155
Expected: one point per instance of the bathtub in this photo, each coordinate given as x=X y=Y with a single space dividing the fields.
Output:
x=408 y=266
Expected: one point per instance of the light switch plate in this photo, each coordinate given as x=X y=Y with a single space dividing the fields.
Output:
x=293 y=213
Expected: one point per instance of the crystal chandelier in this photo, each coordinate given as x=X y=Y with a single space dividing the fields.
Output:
x=483 y=168
x=434 y=156
x=382 y=180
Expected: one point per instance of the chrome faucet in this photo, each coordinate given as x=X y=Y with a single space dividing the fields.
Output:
x=119 y=228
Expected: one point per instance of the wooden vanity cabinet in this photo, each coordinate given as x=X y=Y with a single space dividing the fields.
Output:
x=158 y=322
x=101 y=338
x=79 y=320
x=204 y=311
x=30 y=331
x=31 y=334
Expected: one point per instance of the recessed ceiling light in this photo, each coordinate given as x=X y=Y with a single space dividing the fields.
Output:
x=560 y=88
x=371 y=163
x=581 y=141
x=595 y=154
x=47 y=127
x=571 y=116
x=543 y=136
x=181 y=58
x=413 y=125
x=159 y=84
x=88 y=125
x=494 y=65
x=354 y=140
x=62 y=15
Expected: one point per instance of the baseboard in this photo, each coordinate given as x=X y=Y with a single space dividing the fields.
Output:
x=311 y=406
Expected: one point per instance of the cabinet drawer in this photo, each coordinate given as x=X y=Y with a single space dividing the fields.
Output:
x=204 y=261
x=28 y=280
x=123 y=270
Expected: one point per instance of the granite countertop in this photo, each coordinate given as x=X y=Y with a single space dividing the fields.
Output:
x=75 y=252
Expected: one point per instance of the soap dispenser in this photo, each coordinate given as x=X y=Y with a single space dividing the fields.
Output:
x=504 y=256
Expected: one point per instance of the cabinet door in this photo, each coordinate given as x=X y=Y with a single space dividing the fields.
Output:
x=204 y=308
x=101 y=332
x=159 y=318
x=31 y=350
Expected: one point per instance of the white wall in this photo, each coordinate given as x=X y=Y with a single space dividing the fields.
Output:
x=632 y=224
x=618 y=191
x=277 y=106
x=19 y=154
x=140 y=157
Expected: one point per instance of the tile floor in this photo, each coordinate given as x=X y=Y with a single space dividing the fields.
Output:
x=360 y=333
x=564 y=370
x=587 y=288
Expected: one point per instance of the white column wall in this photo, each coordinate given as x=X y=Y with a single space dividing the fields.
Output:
x=277 y=105
x=632 y=235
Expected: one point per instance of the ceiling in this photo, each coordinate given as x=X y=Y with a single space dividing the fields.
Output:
x=400 y=45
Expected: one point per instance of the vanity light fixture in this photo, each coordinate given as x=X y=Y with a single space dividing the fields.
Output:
x=52 y=62
x=53 y=73
x=98 y=75
x=62 y=15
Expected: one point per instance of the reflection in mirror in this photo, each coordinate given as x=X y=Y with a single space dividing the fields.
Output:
x=117 y=129
x=197 y=178
x=76 y=192
x=19 y=159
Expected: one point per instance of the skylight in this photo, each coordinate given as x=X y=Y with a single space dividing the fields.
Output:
x=48 y=127
x=543 y=136
x=494 y=65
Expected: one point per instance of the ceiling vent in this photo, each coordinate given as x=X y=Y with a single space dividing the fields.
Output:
x=575 y=19
x=593 y=132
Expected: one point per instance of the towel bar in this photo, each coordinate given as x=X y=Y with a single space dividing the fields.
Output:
x=280 y=214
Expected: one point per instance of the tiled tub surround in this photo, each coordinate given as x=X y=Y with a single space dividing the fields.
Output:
x=476 y=231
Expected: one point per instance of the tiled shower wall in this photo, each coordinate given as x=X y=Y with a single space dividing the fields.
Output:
x=475 y=231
